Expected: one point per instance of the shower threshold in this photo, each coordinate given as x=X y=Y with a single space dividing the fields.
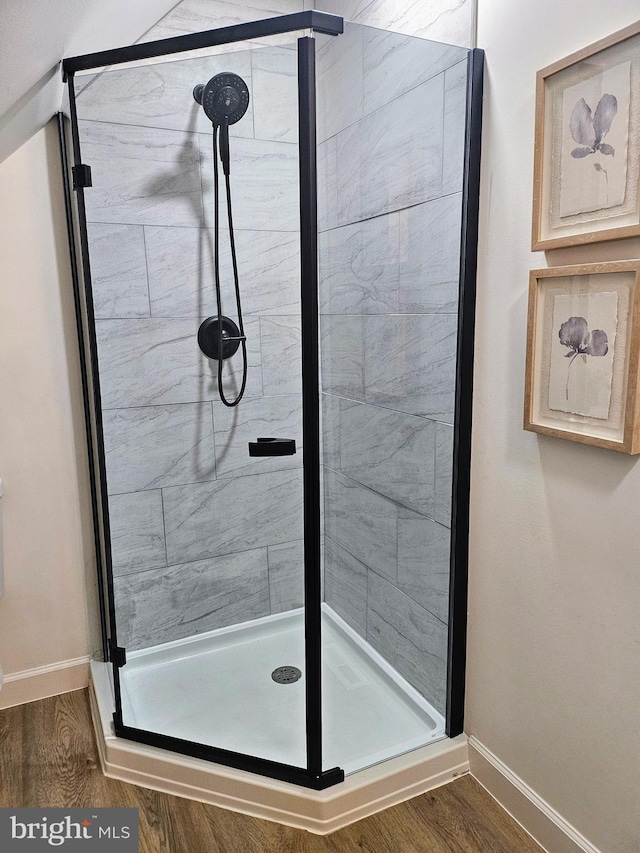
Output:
x=216 y=688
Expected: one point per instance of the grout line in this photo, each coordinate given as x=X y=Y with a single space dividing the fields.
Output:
x=206 y=559
x=435 y=473
x=385 y=408
x=397 y=97
x=366 y=606
x=201 y=227
x=394 y=501
x=200 y=403
x=220 y=481
x=378 y=574
x=336 y=314
x=253 y=124
x=195 y=402
x=397 y=522
x=200 y=175
x=330 y=393
x=442 y=128
x=268 y=547
x=366 y=364
x=389 y=212
x=186 y=130
x=213 y=437
x=197 y=318
x=194 y=227
x=146 y=264
x=164 y=529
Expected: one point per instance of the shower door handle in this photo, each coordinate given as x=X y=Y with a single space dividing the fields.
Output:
x=272 y=447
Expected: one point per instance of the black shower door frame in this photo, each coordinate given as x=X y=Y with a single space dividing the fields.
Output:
x=77 y=176
x=312 y=776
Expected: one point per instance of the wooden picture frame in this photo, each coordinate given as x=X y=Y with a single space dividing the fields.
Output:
x=586 y=184
x=583 y=354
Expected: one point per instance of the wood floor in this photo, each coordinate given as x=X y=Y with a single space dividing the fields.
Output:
x=48 y=758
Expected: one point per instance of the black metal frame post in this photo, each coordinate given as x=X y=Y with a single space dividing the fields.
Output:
x=84 y=375
x=312 y=775
x=99 y=479
x=311 y=406
x=458 y=579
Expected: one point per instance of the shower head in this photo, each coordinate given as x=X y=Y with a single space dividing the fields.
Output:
x=224 y=98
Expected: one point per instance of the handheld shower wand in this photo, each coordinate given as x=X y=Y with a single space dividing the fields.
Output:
x=225 y=99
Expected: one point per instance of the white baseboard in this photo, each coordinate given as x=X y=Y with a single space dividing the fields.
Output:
x=540 y=820
x=44 y=681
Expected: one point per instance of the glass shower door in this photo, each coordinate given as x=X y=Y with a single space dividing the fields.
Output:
x=206 y=538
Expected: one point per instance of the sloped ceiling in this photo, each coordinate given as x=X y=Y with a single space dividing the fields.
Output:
x=36 y=34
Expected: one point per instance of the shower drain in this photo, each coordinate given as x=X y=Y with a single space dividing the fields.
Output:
x=286 y=674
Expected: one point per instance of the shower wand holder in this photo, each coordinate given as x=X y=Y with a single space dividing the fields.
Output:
x=272 y=447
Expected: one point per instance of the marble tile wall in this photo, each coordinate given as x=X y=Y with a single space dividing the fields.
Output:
x=448 y=21
x=203 y=535
x=192 y=16
x=390 y=196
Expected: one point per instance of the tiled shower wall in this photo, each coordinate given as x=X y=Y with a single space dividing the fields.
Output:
x=448 y=21
x=202 y=535
x=390 y=163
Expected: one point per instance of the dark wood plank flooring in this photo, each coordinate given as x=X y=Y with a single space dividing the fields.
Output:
x=48 y=758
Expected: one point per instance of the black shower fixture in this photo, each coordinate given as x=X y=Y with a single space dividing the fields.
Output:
x=209 y=335
x=225 y=99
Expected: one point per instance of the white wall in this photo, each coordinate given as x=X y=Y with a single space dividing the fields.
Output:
x=47 y=529
x=554 y=634
x=37 y=35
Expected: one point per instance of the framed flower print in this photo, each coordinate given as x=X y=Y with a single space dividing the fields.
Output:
x=583 y=354
x=587 y=145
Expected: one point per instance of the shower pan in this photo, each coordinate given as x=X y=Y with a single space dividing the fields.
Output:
x=273 y=230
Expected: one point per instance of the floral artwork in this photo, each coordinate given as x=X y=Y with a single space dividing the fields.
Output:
x=582 y=353
x=593 y=172
x=586 y=176
x=582 y=379
x=589 y=129
x=574 y=333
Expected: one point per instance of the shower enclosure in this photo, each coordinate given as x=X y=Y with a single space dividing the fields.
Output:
x=296 y=614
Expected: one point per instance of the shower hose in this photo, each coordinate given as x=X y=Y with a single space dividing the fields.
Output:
x=224 y=141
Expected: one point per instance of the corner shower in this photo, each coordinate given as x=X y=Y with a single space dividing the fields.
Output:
x=292 y=606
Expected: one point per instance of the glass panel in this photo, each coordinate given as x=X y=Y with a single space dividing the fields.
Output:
x=206 y=538
x=390 y=159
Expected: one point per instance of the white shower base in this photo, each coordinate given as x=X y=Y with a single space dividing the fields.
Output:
x=216 y=689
